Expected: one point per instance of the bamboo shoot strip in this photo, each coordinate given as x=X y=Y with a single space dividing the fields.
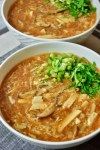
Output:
x=68 y=120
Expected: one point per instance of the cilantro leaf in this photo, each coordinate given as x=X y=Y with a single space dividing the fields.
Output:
x=76 y=8
x=82 y=73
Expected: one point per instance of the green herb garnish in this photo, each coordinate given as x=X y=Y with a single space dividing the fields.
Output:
x=82 y=73
x=76 y=8
x=86 y=78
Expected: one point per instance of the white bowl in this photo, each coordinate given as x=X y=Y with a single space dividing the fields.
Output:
x=76 y=39
x=45 y=48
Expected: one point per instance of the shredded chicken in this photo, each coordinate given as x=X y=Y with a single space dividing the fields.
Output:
x=23 y=101
x=42 y=90
x=20 y=126
x=12 y=101
x=48 y=111
x=72 y=133
x=77 y=121
x=28 y=94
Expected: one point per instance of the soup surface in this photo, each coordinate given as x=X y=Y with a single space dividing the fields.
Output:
x=44 y=108
x=41 y=18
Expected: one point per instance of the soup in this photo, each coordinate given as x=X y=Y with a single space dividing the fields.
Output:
x=42 y=19
x=39 y=100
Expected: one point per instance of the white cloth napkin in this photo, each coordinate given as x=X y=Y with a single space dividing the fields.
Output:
x=7 y=43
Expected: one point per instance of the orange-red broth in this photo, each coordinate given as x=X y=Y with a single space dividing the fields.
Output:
x=41 y=19
x=24 y=96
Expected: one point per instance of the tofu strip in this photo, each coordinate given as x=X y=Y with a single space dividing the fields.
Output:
x=68 y=120
x=69 y=102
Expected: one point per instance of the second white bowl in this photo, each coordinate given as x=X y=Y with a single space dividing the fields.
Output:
x=76 y=39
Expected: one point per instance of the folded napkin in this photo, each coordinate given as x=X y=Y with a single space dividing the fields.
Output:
x=7 y=43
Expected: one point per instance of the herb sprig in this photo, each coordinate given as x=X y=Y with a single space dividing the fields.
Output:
x=86 y=78
x=76 y=8
x=82 y=73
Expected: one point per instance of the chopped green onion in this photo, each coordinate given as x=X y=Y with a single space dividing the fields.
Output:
x=82 y=73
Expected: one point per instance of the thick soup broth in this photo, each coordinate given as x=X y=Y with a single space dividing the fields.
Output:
x=45 y=109
x=42 y=19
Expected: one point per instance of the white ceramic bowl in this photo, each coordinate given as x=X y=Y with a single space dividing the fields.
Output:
x=45 y=48
x=76 y=39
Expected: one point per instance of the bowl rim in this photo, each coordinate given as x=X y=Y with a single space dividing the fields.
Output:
x=47 y=39
x=29 y=139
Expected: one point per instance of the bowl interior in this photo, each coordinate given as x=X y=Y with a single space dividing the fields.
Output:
x=47 y=47
x=7 y=4
x=41 y=48
x=77 y=38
